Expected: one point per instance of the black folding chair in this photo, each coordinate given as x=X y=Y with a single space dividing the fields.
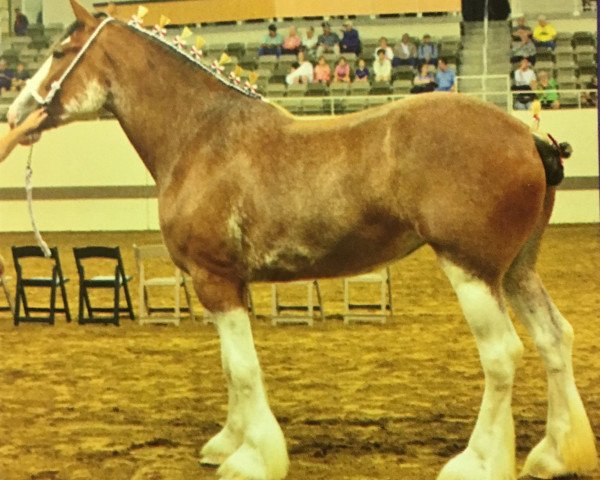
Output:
x=56 y=280
x=4 y=285
x=116 y=281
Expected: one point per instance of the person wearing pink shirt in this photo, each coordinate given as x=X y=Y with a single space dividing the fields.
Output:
x=292 y=42
x=322 y=71
x=342 y=71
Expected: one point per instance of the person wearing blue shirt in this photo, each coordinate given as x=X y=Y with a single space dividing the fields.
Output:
x=350 y=40
x=445 y=78
x=427 y=51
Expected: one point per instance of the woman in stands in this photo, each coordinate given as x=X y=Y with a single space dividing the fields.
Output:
x=19 y=134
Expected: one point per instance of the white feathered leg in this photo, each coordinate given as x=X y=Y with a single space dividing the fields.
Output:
x=490 y=454
x=251 y=446
x=569 y=445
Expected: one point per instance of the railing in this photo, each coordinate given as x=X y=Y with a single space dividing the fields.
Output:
x=332 y=105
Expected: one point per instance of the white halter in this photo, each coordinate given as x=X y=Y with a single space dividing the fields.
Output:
x=55 y=87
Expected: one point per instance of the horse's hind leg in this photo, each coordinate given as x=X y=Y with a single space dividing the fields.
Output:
x=251 y=445
x=568 y=446
x=490 y=454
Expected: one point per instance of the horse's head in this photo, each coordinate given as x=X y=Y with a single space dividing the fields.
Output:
x=73 y=81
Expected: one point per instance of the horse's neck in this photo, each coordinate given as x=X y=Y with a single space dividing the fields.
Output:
x=165 y=105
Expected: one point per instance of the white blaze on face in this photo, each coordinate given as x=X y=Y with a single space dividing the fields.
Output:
x=17 y=110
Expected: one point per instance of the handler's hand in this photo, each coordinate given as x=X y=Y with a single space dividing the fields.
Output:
x=33 y=121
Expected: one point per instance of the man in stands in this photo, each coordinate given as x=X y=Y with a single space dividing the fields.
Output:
x=21 y=23
x=350 y=39
x=544 y=34
x=271 y=43
x=523 y=48
x=427 y=51
x=524 y=80
x=328 y=42
x=445 y=78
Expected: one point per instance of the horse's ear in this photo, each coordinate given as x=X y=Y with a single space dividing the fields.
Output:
x=82 y=15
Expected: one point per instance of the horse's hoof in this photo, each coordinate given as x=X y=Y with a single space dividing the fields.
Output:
x=471 y=466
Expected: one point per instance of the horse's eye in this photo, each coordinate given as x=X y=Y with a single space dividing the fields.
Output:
x=58 y=54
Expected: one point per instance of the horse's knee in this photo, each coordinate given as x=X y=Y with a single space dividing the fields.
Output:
x=500 y=361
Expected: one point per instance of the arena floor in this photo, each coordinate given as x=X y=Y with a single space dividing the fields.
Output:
x=360 y=402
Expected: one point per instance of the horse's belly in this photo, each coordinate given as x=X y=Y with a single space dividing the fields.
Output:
x=352 y=253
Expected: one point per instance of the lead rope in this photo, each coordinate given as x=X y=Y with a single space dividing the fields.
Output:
x=29 y=190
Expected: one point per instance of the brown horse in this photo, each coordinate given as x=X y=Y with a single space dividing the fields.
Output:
x=248 y=192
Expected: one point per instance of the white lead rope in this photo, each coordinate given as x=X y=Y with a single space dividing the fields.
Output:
x=29 y=190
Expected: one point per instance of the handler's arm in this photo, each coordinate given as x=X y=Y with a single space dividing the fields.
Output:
x=19 y=133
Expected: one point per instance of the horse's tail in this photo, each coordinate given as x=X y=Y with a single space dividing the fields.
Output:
x=552 y=155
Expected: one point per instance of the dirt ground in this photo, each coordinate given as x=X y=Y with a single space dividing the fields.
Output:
x=392 y=401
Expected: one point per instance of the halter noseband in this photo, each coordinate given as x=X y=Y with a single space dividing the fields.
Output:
x=56 y=86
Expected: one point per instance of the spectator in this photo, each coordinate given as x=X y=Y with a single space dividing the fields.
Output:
x=20 y=78
x=350 y=39
x=309 y=42
x=6 y=76
x=525 y=81
x=342 y=71
x=383 y=44
x=544 y=34
x=301 y=71
x=549 y=98
x=590 y=99
x=21 y=23
x=405 y=52
x=382 y=67
x=524 y=48
x=271 y=42
x=521 y=25
x=427 y=51
x=328 y=42
x=445 y=78
x=322 y=71
x=423 y=81
x=361 y=74
x=292 y=42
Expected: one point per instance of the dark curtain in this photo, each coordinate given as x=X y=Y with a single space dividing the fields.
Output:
x=473 y=10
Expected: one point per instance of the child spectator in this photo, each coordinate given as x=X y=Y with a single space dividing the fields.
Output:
x=590 y=99
x=342 y=71
x=445 y=78
x=382 y=67
x=6 y=76
x=423 y=81
x=309 y=41
x=427 y=51
x=292 y=42
x=544 y=34
x=405 y=52
x=383 y=44
x=328 y=42
x=271 y=42
x=322 y=71
x=21 y=23
x=20 y=78
x=301 y=71
x=524 y=80
x=549 y=98
x=524 y=48
x=350 y=39
x=361 y=74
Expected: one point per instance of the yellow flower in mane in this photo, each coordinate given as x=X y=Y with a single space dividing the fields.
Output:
x=200 y=42
x=164 y=20
x=225 y=59
x=142 y=11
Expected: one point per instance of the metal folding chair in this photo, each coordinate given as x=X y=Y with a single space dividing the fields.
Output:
x=144 y=255
x=116 y=281
x=53 y=282
x=363 y=311
x=306 y=310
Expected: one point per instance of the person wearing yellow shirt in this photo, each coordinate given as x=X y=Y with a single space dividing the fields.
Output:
x=544 y=34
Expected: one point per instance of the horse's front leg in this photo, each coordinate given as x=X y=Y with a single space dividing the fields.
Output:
x=251 y=445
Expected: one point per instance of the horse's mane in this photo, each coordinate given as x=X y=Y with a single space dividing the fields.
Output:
x=155 y=38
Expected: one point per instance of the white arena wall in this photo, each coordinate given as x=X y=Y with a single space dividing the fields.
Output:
x=87 y=177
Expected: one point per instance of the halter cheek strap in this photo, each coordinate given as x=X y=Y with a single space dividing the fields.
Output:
x=56 y=85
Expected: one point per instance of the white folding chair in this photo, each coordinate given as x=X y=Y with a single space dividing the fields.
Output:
x=144 y=254
x=306 y=309
x=3 y=282
x=363 y=311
